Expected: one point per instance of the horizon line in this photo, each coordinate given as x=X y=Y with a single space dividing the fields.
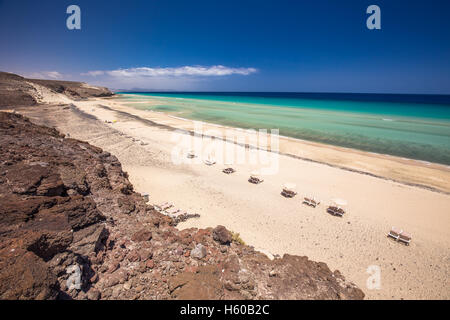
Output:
x=301 y=92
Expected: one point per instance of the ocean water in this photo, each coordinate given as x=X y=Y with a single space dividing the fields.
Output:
x=409 y=126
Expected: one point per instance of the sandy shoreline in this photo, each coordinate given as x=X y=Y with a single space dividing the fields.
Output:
x=420 y=173
x=277 y=225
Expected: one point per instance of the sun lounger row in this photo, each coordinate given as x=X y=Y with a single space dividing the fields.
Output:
x=288 y=192
x=400 y=235
x=333 y=209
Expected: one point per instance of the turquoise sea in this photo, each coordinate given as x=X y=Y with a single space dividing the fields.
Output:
x=410 y=126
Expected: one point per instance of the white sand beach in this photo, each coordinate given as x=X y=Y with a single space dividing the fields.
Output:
x=384 y=195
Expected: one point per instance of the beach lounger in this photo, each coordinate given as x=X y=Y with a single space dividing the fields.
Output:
x=210 y=161
x=335 y=211
x=288 y=190
x=191 y=155
x=255 y=177
x=183 y=216
x=404 y=237
x=228 y=170
x=394 y=233
x=339 y=212
x=288 y=193
x=172 y=211
x=165 y=206
x=311 y=202
x=255 y=180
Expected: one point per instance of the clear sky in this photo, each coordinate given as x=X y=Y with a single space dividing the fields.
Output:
x=302 y=46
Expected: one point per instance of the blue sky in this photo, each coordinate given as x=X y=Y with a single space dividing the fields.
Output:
x=302 y=46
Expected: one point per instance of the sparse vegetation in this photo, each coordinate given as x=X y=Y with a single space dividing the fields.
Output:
x=237 y=238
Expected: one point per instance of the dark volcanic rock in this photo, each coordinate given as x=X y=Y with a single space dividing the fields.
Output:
x=203 y=285
x=23 y=275
x=222 y=235
x=142 y=235
x=89 y=240
x=38 y=219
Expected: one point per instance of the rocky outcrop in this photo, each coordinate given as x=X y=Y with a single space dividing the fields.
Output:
x=73 y=89
x=71 y=227
x=14 y=91
x=222 y=235
x=55 y=197
x=19 y=91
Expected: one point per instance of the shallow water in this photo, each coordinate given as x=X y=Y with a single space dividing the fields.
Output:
x=416 y=127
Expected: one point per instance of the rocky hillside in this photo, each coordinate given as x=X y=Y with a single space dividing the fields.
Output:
x=71 y=227
x=18 y=91
x=14 y=91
